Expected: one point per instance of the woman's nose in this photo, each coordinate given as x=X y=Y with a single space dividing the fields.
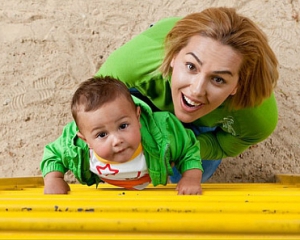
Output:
x=199 y=86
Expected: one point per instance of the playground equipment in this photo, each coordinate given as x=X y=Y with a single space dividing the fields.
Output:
x=224 y=211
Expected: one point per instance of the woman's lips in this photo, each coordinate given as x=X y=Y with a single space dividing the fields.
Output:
x=190 y=103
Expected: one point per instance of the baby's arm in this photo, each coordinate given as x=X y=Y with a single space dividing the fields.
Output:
x=184 y=153
x=55 y=183
x=190 y=183
x=56 y=160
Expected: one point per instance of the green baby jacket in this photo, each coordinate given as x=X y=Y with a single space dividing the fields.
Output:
x=164 y=140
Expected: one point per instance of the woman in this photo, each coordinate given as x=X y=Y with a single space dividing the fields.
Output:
x=214 y=70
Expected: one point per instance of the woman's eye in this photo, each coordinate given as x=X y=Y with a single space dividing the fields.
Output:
x=102 y=135
x=123 y=126
x=190 y=66
x=218 y=80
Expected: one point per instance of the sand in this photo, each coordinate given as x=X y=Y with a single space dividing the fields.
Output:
x=49 y=47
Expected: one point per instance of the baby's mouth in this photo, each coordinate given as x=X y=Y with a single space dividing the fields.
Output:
x=121 y=151
x=189 y=102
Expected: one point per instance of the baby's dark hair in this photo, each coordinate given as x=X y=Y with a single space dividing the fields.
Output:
x=94 y=92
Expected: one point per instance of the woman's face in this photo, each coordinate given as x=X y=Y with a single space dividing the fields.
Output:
x=205 y=73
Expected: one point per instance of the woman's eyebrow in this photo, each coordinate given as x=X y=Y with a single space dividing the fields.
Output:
x=223 y=72
x=197 y=59
x=216 y=72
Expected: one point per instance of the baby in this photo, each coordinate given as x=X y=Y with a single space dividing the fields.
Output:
x=117 y=139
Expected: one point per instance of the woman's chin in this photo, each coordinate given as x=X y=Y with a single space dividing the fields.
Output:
x=185 y=117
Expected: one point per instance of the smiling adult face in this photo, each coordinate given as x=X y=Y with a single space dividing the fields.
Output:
x=204 y=74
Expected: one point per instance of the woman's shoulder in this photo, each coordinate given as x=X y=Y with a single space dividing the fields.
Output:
x=267 y=110
x=137 y=60
x=251 y=123
x=261 y=120
x=162 y=26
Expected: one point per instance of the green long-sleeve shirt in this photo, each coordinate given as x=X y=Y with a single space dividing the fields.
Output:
x=136 y=64
x=164 y=140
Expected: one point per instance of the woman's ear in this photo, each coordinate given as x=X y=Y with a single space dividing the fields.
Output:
x=234 y=90
x=172 y=62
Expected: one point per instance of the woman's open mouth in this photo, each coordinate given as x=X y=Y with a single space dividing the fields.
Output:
x=190 y=103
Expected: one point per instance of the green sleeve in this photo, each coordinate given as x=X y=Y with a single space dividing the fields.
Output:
x=185 y=148
x=135 y=62
x=68 y=152
x=249 y=126
x=54 y=154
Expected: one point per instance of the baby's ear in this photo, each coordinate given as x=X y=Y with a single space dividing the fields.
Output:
x=79 y=134
x=138 y=112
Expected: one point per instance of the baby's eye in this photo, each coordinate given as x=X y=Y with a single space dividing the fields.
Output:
x=124 y=125
x=102 y=135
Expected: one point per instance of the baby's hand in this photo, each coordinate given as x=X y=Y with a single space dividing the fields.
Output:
x=190 y=183
x=55 y=184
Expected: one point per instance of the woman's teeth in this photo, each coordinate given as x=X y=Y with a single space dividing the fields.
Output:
x=190 y=102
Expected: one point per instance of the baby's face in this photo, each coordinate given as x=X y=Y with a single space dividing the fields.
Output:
x=112 y=131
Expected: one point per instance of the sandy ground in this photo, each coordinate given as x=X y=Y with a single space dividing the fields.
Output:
x=49 y=46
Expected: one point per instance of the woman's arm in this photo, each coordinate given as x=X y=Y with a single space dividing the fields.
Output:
x=247 y=127
x=135 y=62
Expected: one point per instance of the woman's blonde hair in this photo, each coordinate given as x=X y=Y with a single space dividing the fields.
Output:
x=258 y=74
